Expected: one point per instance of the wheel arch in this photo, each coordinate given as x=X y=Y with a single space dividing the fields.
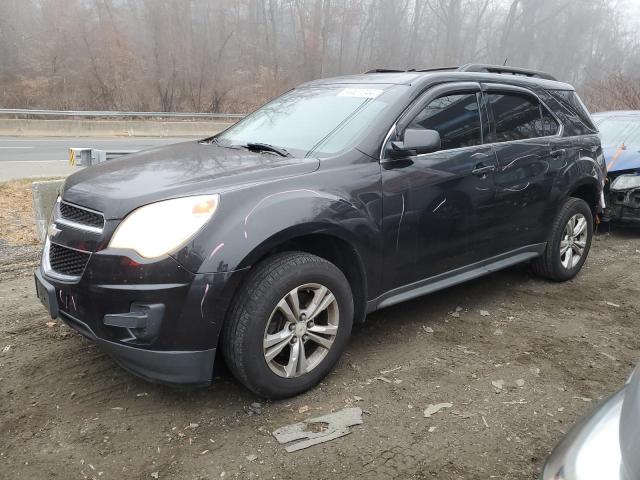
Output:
x=588 y=190
x=332 y=247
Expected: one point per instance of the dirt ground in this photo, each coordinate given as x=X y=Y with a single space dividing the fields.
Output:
x=67 y=411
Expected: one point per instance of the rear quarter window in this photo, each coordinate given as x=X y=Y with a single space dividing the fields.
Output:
x=570 y=108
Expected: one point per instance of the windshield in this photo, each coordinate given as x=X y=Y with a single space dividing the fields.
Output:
x=620 y=130
x=313 y=121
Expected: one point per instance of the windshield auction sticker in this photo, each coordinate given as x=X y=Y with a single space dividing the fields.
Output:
x=360 y=92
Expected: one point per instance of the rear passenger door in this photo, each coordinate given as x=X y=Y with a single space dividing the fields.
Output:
x=523 y=133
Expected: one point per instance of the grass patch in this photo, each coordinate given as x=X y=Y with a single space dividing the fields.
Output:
x=17 y=221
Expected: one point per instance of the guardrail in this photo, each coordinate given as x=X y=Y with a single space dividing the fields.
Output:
x=85 y=157
x=97 y=113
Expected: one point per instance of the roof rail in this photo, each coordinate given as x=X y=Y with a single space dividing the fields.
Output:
x=384 y=70
x=435 y=69
x=477 y=68
x=422 y=70
x=483 y=68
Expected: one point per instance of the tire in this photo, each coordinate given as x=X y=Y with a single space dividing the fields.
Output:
x=258 y=310
x=553 y=264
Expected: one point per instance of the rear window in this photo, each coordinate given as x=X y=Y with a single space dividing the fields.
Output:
x=571 y=103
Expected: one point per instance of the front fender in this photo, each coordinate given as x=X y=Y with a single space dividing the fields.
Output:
x=248 y=225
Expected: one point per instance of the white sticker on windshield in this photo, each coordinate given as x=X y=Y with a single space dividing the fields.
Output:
x=360 y=92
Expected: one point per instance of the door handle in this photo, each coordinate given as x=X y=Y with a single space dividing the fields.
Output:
x=558 y=153
x=482 y=169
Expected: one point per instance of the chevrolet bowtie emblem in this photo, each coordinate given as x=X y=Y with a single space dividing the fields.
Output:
x=53 y=230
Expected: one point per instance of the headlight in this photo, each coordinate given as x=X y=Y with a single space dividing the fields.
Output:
x=159 y=228
x=625 y=182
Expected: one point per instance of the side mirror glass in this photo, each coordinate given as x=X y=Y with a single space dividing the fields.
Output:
x=417 y=142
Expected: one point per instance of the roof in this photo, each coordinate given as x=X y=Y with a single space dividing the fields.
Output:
x=471 y=72
x=388 y=78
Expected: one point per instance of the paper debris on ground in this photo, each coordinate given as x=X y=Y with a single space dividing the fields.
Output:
x=318 y=430
x=584 y=399
x=384 y=372
x=498 y=385
x=383 y=379
x=433 y=409
x=610 y=357
x=254 y=409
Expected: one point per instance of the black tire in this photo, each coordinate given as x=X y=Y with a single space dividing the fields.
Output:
x=243 y=333
x=550 y=265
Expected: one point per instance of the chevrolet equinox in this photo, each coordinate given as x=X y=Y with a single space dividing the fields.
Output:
x=266 y=242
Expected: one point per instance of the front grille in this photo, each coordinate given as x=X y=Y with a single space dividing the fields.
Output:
x=67 y=261
x=81 y=216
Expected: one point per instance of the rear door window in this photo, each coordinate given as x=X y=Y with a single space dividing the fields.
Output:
x=455 y=117
x=520 y=117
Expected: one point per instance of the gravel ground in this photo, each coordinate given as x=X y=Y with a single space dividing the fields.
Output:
x=519 y=359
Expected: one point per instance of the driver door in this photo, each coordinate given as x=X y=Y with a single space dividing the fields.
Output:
x=437 y=207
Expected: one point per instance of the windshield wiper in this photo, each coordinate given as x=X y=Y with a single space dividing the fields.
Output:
x=265 y=147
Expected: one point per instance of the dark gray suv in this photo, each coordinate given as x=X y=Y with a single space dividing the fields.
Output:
x=344 y=195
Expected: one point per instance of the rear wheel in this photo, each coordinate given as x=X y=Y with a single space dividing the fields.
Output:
x=568 y=243
x=288 y=325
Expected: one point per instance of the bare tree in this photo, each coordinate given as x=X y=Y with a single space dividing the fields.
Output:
x=232 y=55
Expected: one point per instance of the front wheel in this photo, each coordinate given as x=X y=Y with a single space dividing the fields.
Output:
x=289 y=324
x=568 y=243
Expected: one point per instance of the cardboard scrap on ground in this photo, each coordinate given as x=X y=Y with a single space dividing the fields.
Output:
x=319 y=430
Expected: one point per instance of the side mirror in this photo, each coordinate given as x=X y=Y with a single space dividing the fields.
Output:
x=417 y=142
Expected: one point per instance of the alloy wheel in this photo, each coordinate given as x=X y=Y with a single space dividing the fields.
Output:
x=574 y=241
x=301 y=330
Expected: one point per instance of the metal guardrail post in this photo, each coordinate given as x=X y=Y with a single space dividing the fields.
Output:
x=85 y=157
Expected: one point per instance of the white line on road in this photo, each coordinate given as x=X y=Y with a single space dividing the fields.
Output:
x=2 y=162
x=16 y=147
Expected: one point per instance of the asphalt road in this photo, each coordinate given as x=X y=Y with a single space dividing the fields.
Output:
x=22 y=157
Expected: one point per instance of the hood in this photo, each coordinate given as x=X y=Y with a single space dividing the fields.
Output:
x=118 y=186
x=618 y=159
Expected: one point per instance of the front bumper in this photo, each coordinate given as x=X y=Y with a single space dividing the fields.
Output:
x=168 y=367
x=591 y=449
x=623 y=206
x=173 y=344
